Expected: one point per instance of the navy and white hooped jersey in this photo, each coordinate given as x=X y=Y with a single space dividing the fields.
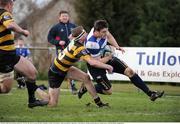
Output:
x=95 y=45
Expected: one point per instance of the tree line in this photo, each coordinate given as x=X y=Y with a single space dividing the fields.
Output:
x=137 y=23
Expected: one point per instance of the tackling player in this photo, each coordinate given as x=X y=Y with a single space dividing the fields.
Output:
x=62 y=67
x=59 y=36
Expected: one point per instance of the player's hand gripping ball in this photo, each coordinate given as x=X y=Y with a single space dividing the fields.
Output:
x=108 y=50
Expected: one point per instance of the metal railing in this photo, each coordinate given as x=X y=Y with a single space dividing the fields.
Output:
x=42 y=57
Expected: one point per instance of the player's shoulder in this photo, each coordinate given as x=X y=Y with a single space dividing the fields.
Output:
x=90 y=37
x=55 y=26
x=90 y=34
x=5 y=14
x=2 y=11
x=91 y=42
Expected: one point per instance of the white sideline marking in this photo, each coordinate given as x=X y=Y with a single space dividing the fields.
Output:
x=14 y=88
x=6 y=94
x=68 y=90
x=171 y=96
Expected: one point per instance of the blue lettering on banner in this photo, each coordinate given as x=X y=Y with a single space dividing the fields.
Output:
x=160 y=58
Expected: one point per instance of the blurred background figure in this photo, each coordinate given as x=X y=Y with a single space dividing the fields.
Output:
x=21 y=50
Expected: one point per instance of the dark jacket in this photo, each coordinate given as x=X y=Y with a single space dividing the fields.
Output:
x=59 y=32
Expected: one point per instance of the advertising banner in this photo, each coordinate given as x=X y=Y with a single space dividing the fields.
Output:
x=157 y=64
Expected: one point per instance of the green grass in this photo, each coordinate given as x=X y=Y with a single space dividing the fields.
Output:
x=127 y=105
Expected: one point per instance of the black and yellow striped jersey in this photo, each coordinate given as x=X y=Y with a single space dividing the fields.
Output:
x=71 y=54
x=6 y=35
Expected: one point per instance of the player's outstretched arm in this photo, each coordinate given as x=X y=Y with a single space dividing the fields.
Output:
x=106 y=58
x=113 y=42
x=98 y=64
x=15 y=27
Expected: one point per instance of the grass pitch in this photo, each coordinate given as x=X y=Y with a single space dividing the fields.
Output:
x=127 y=104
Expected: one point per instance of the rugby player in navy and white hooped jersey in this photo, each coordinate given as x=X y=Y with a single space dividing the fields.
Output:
x=97 y=39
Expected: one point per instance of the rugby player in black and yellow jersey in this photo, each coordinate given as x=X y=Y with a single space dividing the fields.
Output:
x=9 y=61
x=63 y=67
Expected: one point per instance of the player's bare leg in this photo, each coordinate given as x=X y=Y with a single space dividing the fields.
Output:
x=6 y=85
x=26 y=68
x=138 y=82
x=79 y=75
x=76 y=74
x=53 y=95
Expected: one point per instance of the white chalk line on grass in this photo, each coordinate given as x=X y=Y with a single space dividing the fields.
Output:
x=10 y=93
x=129 y=113
x=68 y=90
x=25 y=89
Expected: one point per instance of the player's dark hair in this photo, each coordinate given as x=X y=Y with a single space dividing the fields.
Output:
x=3 y=3
x=63 y=12
x=100 y=24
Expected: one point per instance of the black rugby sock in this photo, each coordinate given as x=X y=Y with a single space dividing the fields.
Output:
x=31 y=87
x=98 y=101
x=138 y=82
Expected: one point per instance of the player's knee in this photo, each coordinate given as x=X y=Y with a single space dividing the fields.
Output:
x=86 y=78
x=31 y=74
x=108 y=92
x=52 y=103
x=5 y=89
x=129 y=72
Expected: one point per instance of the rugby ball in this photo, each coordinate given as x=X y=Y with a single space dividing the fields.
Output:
x=108 y=49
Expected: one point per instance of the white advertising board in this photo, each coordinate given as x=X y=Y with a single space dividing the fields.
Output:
x=158 y=64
